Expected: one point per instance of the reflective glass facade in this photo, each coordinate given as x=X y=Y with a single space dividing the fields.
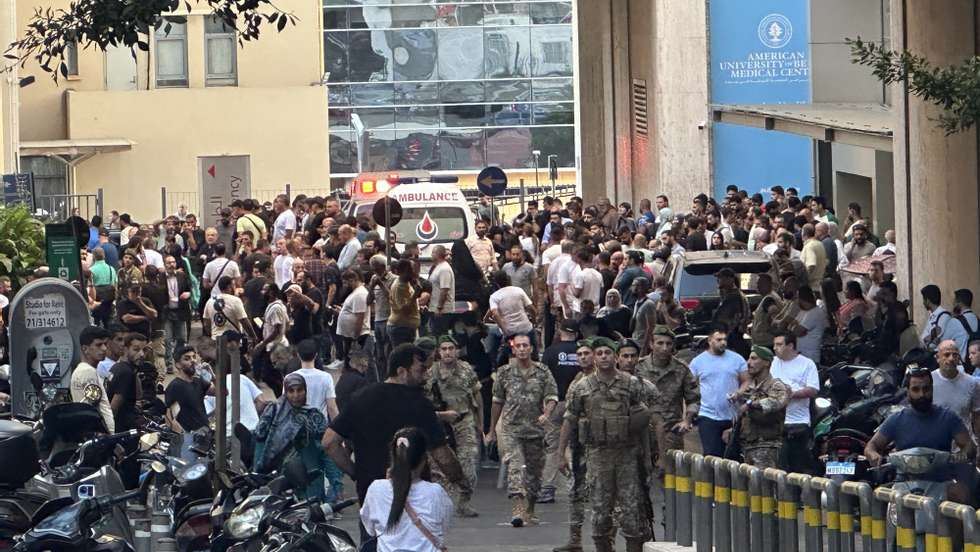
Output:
x=449 y=85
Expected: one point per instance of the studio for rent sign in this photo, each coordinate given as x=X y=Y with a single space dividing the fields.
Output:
x=760 y=54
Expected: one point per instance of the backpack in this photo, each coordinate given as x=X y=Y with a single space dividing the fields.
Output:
x=973 y=335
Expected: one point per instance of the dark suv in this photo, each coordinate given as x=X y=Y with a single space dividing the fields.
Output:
x=695 y=289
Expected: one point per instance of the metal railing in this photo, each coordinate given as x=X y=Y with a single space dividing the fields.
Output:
x=61 y=206
x=717 y=504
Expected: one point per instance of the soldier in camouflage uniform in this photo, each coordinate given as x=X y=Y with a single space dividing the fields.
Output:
x=678 y=398
x=607 y=408
x=454 y=386
x=524 y=394
x=578 y=493
x=762 y=411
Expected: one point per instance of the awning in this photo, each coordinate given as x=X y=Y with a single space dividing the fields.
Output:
x=864 y=125
x=74 y=152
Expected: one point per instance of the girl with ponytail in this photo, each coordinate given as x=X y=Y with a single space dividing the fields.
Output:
x=404 y=511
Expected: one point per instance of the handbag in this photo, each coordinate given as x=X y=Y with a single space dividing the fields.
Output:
x=107 y=292
x=423 y=529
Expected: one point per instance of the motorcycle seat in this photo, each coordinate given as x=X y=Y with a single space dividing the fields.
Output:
x=10 y=430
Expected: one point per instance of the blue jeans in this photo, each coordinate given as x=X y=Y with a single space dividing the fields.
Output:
x=380 y=339
x=710 y=432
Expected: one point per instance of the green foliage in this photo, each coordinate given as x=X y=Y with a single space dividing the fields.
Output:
x=104 y=23
x=21 y=243
x=955 y=88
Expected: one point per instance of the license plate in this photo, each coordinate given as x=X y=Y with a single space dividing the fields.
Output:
x=840 y=468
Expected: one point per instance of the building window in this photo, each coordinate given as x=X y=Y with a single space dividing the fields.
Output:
x=221 y=49
x=171 y=54
x=71 y=58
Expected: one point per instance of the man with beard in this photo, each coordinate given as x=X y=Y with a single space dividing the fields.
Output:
x=859 y=247
x=184 y=396
x=924 y=424
x=377 y=412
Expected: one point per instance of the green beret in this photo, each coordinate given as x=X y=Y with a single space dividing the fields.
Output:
x=660 y=329
x=447 y=339
x=427 y=344
x=587 y=342
x=599 y=341
x=765 y=353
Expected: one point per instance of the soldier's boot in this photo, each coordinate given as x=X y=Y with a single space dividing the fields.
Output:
x=518 y=511
x=529 y=516
x=463 y=508
x=634 y=545
x=574 y=540
x=603 y=544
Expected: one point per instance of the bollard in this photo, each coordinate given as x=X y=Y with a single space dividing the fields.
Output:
x=670 y=515
x=682 y=482
x=812 y=518
x=846 y=519
x=929 y=511
x=142 y=536
x=786 y=509
x=862 y=491
x=944 y=528
x=905 y=531
x=770 y=529
x=756 y=531
x=722 y=511
x=160 y=527
x=166 y=544
x=879 y=510
x=740 y=507
x=703 y=483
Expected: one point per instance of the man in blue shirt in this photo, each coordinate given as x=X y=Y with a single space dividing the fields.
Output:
x=720 y=373
x=110 y=249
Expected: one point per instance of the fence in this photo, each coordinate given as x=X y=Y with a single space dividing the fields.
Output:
x=722 y=505
x=61 y=206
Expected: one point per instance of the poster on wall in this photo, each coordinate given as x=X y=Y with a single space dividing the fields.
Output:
x=224 y=179
x=760 y=54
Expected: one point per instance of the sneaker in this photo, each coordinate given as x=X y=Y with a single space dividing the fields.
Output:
x=335 y=365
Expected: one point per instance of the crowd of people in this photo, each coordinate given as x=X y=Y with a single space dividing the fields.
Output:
x=569 y=365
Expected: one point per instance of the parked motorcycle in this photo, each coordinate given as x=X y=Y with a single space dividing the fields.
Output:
x=19 y=457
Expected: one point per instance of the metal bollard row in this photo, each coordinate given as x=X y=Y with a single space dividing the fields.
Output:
x=717 y=504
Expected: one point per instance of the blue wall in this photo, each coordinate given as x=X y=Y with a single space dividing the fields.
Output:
x=760 y=54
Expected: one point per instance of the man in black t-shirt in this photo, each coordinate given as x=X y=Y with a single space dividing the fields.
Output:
x=187 y=392
x=123 y=385
x=561 y=360
x=376 y=412
x=135 y=311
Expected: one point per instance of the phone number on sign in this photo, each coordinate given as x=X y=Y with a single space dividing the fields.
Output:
x=45 y=322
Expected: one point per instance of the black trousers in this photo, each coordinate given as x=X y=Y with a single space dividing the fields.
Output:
x=710 y=432
x=795 y=455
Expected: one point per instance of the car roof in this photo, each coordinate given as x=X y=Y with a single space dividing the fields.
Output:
x=728 y=256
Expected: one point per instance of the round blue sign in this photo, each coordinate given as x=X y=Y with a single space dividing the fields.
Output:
x=775 y=30
x=492 y=181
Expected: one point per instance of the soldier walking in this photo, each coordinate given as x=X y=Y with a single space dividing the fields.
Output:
x=455 y=386
x=763 y=408
x=579 y=491
x=607 y=408
x=678 y=396
x=524 y=395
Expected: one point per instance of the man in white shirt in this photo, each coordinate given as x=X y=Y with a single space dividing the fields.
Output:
x=889 y=246
x=954 y=389
x=220 y=266
x=224 y=312
x=282 y=267
x=354 y=319
x=800 y=374
x=587 y=282
x=275 y=322
x=566 y=289
x=86 y=386
x=967 y=320
x=285 y=225
x=320 y=393
x=348 y=255
x=443 y=281
x=150 y=255
x=939 y=318
x=811 y=322
x=555 y=290
x=513 y=312
x=785 y=244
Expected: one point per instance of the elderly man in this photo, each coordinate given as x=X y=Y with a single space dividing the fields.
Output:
x=954 y=389
x=348 y=255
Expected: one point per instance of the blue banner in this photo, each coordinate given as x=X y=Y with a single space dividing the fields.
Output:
x=760 y=54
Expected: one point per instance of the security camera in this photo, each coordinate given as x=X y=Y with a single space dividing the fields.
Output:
x=702 y=124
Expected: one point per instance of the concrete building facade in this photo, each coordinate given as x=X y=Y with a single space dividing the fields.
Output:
x=165 y=118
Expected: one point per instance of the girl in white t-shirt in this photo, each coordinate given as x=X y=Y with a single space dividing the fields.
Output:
x=404 y=512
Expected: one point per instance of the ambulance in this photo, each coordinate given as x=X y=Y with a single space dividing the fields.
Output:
x=434 y=209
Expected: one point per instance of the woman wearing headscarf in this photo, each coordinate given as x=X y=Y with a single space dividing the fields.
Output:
x=287 y=430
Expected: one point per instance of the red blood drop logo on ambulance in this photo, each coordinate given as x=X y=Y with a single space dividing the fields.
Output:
x=426 y=229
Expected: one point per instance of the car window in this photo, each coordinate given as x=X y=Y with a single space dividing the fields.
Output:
x=699 y=280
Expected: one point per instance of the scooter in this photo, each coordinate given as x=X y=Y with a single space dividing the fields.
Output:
x=19 y=456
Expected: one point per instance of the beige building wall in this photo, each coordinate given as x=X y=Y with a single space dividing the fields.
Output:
x=276 y=114
x=661 y=44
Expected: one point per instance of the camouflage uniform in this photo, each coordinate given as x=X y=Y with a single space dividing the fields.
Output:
x=459 y=388
x=601 y=412
x=761 y=427
x=522 y=395
x=676 y=387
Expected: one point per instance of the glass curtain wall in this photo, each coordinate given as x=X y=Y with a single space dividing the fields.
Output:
x=454 y=86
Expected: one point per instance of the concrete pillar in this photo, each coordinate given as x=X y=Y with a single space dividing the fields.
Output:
x=936 y=186
x=595 y=75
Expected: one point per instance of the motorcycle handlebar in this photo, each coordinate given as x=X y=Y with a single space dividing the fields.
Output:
x=343 y=504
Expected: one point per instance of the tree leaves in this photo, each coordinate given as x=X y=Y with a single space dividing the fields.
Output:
x=955 y=89
x=21 y=243
x=104 y=23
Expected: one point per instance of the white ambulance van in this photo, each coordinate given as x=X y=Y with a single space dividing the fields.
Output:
x=434 y=209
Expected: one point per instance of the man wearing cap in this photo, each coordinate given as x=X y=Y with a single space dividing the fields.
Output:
x=606 y=407
x=678 y=399
x=524 y=395
x=454 y=386
x=762 y=410
x=561 y=360
x=578 y=493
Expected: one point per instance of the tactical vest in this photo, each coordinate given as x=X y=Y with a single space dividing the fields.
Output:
x=607 y=417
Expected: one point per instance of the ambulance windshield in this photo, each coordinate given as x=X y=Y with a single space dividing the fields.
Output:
x=431 y=225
